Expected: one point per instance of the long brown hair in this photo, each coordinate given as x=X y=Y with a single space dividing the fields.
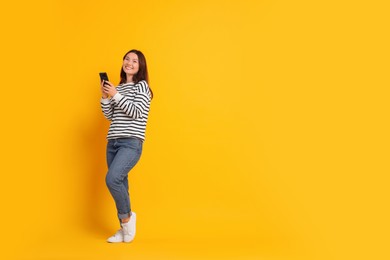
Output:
x=142 y=73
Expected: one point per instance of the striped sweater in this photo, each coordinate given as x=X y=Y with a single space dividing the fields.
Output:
x=128 y=110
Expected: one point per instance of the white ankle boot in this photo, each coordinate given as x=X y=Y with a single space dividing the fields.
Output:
x=129 y=229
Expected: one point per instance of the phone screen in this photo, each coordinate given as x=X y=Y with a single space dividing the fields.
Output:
x=103 y=76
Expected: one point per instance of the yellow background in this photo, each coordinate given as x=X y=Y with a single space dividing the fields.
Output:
x=268 y=136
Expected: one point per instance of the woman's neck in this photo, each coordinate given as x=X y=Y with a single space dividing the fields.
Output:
x=129 y=79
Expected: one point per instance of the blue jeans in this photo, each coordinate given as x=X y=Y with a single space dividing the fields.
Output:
x=122 y=156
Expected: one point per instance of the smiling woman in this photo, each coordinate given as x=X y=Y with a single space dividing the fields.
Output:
x=128 y=110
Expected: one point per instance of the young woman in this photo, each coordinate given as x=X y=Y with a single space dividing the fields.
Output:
x=127 y=107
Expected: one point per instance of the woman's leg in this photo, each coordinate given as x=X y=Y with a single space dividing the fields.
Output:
x=126 y=154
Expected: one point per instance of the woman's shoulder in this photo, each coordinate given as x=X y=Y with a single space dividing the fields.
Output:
x=142 y=85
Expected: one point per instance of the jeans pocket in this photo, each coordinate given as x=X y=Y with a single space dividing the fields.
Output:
x=132 y=143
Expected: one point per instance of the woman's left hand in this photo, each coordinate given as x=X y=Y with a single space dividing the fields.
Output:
x=109 y=88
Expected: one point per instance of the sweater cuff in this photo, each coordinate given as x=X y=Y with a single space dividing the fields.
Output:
x=117 y=97
x=105 y=100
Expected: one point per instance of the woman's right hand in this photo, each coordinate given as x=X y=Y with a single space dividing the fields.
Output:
x=104 y=95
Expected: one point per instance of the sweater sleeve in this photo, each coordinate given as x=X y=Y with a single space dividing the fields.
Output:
x=106 y=108
x=137 y=107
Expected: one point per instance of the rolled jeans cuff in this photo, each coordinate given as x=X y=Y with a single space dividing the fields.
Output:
x=122 y=216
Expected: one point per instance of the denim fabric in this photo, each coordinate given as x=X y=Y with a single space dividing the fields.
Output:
x=122 y=156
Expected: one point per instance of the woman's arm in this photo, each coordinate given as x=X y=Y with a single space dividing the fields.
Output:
x=107 y=109
x=105 y=103
x=138 y=106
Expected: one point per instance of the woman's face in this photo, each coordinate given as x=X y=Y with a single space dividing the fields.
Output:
x=131 y=64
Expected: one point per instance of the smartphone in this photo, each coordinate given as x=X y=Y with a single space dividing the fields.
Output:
x=103 y=76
